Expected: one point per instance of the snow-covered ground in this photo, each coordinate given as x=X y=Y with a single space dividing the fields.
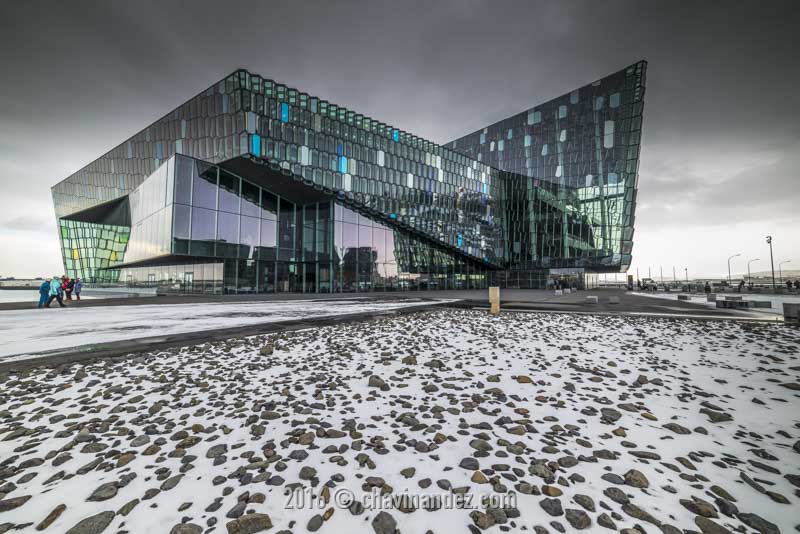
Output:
x=19 y=295
x=578 y=421
x=776 y=301
x=29 y=295
x=28 y=332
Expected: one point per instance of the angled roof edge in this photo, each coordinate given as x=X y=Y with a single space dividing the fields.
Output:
x=562 y=95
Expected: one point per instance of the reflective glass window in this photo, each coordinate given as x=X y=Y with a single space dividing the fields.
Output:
x=182 y=221
x=269 y=205
x=249 y=235
x=184 y=171
x=228 y=228
x=269 y=233
x=204 y=224
x=251 y=199
x=204 y=191
x=229 y=190
x=608 y=138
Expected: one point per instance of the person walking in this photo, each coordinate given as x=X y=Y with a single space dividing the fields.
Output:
x=77 y=288
x=44 y=293
x=797 y=284
x=707 y=288
x=56 y=292
x=69 y=287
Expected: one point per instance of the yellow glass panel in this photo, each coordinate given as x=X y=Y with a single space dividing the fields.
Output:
x=74 y=253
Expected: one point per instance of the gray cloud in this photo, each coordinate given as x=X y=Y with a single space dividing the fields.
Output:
x=29 y=223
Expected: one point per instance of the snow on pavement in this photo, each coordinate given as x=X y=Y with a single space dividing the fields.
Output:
x=776 y=301
x=28 y=332
x=577 y=422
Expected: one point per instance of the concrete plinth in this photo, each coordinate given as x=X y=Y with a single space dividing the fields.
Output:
x=591 y=300
x=734 y=304
x=613 y=300
x=791 y=312
x=711 y=297
x=684 y=297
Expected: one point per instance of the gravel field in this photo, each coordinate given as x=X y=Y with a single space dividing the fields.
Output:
x=440 y=421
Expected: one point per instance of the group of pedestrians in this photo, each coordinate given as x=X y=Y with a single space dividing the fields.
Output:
x=59 y=289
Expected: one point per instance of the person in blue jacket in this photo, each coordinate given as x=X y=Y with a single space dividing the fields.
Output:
x=44 y=293
x=56 y=292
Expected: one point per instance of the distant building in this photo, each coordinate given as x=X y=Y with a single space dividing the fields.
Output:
x=252 y=186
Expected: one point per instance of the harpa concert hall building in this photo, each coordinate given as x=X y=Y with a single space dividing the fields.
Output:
x=253 y=186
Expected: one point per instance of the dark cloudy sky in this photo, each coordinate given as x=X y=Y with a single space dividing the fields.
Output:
x=721 y=141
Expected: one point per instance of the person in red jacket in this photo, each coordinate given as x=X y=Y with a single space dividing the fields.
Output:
x=70 y=288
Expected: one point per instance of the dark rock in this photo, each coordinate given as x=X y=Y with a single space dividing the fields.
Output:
x=552 y=507
x=636 y=479
x=104 y=492
x=52 y=516
x=708 y=526
x=756 y=522
x=469 y=463
x=14 y=502
x=93 y=524
x=384 y=523
x=577 y=518
x=249 y=524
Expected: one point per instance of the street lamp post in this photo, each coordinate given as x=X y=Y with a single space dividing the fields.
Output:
x=749 y=278
x=771 y=261
x=780 y=272
x=729 y=267
x=686 y=270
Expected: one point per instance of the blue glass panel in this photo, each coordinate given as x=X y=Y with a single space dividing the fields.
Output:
x=392 y=215
x=342 y=164
x=396 y=135
x=255 y=144
x=339 y=148
x=284 y=112
x=459 y=240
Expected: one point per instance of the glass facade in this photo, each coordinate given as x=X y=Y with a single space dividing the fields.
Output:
x=253 y=186
x=570 y=174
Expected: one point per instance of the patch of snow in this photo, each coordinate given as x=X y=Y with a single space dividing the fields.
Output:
x=259 y=394
x=28 y=332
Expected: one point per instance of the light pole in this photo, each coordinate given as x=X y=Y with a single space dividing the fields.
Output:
x=686 y=270
x=780 y=272
x=771 y=261
x=749 y=278
x=729 y=267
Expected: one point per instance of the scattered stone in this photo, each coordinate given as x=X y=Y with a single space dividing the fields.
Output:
x=51 y=517
x=577 y=518
x=93 y=524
